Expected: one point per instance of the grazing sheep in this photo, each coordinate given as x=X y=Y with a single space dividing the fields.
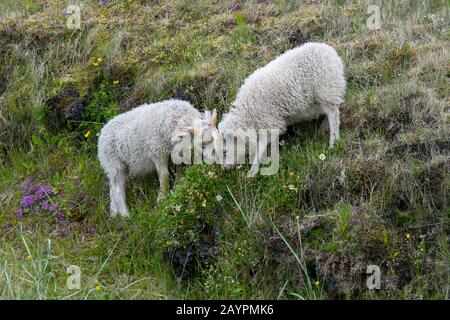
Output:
x=139 y=142
x=300 y=85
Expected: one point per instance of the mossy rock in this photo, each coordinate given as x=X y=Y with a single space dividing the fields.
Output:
x=64 y=109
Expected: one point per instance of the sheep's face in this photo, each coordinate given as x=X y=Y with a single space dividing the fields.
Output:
x=220 y=141
x=227 y=138
x=233 y=142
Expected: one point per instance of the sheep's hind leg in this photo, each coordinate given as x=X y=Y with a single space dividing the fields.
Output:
x=114 y=210
x=163 y=174
x=332 y=113
x=117 y=194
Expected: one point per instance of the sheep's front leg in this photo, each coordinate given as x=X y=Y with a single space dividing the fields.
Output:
x=333 y=122
x=163 y=174
x=262 y=145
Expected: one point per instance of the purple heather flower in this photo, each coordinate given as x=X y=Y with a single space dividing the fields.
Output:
x=27 y=201
x=92 y=230
x=235 y=7
x=60 y=217
x=44 y=205
x=43 y=191
x=53 y=208
x=19 y=213
x=102 y=2
x=76 y=250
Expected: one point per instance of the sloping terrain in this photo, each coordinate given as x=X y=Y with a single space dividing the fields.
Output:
x=381 y=197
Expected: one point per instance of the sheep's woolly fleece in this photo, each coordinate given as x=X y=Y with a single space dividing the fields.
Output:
x=297 y=86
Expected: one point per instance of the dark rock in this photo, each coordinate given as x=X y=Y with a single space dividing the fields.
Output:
x=187 y=260
x=64 y=110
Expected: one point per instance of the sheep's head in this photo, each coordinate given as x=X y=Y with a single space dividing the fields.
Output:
x=232 y=140
x=221 y=139
x=200 y=135
x=197 y=128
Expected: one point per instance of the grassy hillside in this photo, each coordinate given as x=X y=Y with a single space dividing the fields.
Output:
x=380 y=197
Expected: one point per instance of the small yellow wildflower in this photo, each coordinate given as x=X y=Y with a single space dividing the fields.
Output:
x=99 y=60
x=408 y=235
x=290 y=174
x=116 y=82
x=204 y=203
x=317 y=283
x=98 y=288
x=95 y=64
x=87 y=134
x=28 y=258
x=211 y=174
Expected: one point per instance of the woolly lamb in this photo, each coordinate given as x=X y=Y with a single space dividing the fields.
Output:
x=300 y=85
x=138 y=142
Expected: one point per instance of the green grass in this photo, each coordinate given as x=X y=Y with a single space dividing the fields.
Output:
x=308 y=232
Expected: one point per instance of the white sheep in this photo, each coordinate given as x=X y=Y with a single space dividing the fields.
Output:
x=299 y=85
x=139 y=142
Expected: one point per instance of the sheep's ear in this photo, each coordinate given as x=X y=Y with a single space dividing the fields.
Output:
x=194 y=130
x=213 y=121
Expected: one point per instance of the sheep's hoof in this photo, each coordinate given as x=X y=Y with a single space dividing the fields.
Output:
x=161 y=196
x=119 y=214
x=252 y=173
